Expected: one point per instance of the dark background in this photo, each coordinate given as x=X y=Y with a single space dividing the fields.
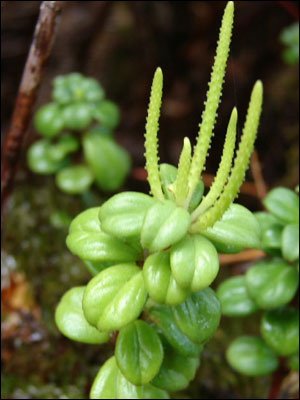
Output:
x=121 y=43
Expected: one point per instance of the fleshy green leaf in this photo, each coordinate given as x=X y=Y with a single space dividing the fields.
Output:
x=284 y=204
x=237 y=227
x=110 y=383
x=290 y=242
x=194 y=262
x=176 y=371
x=164 y=319
x=71 y=322
x=271 y=237
x=160 y=282
x=107 y=113
x=89 y=242
x=272 y=283
x=123 y=214
x=250 y=356
x=109 y=162
x=199 y=316
x=139 y=352
x=75 y=179
x=39 y=159
x=280 y=330
x=48 y=120
x=115 y=297
x=164 y=225
x=234 y=298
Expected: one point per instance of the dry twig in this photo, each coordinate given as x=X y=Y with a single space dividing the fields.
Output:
x=32 y=75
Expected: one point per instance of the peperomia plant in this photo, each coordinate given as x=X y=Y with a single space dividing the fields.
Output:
x=268 y=285
x=79 y=120
x=154 y=257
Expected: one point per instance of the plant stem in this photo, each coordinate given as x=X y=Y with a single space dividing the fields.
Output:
x=38 y=55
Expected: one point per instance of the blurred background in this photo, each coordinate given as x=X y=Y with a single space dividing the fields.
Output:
x=120 y=44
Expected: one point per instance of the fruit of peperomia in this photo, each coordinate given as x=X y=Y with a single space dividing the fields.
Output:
x=79 y=107
x=155 y=256
x=269 y=285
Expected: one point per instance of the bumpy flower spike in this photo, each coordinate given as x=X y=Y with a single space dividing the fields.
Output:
x=151 y=144
x=240 y=164
x=213 y=99
x=223 y=170
x=181 y=183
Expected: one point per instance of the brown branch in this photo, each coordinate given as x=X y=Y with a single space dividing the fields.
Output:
x=244 y=256
x=32 y=75
x=248 y=188
x=261 y=187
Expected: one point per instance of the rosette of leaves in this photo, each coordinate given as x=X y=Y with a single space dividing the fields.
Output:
x=154 y=256
x=270 y=285
x=78 y=145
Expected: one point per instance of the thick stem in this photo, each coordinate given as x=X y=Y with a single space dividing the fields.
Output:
x=32 y=76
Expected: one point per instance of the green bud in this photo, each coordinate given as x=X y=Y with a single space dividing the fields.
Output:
x=168 y=174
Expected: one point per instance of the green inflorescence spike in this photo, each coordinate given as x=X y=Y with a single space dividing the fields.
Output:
x=151 y=144
x=181 y=183
x=240 y=164
x=223 y=170
x=213 y=99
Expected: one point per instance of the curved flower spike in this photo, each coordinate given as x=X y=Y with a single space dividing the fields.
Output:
x=224 y=167
x=151 y=144
x=241 y=162
x=213 y=99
